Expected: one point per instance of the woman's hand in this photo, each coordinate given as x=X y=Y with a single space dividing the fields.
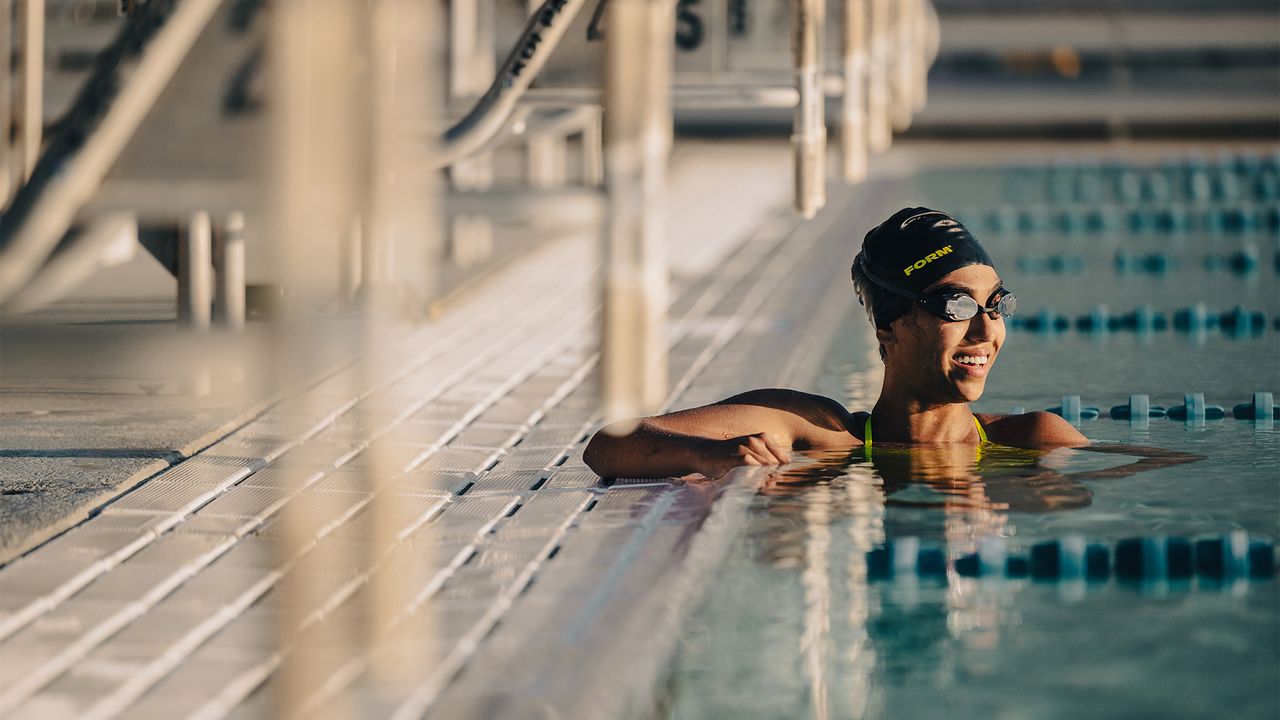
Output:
x=759 y=449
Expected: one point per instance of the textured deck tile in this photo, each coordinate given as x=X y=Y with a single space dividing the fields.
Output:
x=45 y=641
x=261 y=450
x=149 y=636
x=549 y=434
x=346 y=479
x=507 y=482
x=624 y=506
x=545 y=513
x=217 y=586
x=126 y=583
x=320 y=451
x=277 y=476
x=432 y=481
x=425 y=432
x=396 y=457
x=465 y=519
x=513 y=412
x=523 y=457
x=438 y=409
x=225 y=526
x=481 y=434
x=407 y=512
x=253 y=552
x=174 y=550
x=89 y=543
x=458 y=458
x=566 y=479
x=246 y=502
x=188 y=687
x=162 y=496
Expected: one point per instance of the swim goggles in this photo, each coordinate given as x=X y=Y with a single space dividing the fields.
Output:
x=952 y=307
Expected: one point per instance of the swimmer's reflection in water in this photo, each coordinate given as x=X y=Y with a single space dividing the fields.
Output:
x=945 y=477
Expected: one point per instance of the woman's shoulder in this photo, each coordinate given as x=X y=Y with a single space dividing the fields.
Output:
x=1031 y=430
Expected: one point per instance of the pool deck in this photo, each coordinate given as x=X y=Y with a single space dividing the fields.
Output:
x=146 y=582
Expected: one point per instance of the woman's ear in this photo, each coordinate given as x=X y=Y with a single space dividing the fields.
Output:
x=885 y=336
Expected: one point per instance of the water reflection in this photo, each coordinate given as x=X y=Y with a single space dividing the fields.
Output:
x=821 y=517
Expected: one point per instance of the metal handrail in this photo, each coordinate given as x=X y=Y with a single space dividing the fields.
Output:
x=486 y=120
x=94 y=133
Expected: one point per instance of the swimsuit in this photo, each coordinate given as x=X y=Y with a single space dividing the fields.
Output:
x=866 y=435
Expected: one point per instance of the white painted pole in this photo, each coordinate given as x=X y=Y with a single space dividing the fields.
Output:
x=30 y=106
x=809 y=136
x=921 y=55
x=8 y=158
x=903 y=64
x=472 y=64
x=853 y=116
x=593 y=150
x=229 y=256
x=546 y=153
x=879 y=129
x=195 y=272
x=637 y=131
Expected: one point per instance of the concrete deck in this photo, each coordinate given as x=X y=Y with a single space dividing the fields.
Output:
x=543 y=583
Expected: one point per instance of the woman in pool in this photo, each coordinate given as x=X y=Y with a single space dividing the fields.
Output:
x=938 y=307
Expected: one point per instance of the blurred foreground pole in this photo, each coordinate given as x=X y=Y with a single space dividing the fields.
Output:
x=853 y=113
x=471 y=68
x=922 y=57
x=637 y=136
x=402 y=206
x=903 y=63
x=29 y=109
x=809 y=136
x=7 y=155
x=315 y=53
x=879 y=129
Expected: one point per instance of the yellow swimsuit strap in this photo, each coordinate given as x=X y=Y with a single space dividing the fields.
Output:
x=866 y=435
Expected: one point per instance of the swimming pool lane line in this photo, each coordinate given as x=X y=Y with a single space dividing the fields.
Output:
x=1224 y=558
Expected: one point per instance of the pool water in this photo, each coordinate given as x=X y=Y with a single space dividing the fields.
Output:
x=792 y=625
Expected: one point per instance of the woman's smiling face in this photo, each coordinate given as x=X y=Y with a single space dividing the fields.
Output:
x=947 y=361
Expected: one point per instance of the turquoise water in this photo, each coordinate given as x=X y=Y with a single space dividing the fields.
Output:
x=792 y=627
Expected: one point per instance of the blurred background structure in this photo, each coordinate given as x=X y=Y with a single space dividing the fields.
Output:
x=310 y=305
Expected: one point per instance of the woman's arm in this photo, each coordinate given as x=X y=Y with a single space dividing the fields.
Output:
x=760 y=427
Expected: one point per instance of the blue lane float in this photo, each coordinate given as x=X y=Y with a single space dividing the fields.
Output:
x=1261 y=407
x=1139 y=406
x=1129 y=263
x=1073 y=412
x=1051 y=264
x=1238 y=322
x=1210 y=560
x=1241 y=262
x=1194 y=408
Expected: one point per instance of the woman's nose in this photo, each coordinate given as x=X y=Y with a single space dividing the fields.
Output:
x=983 y=326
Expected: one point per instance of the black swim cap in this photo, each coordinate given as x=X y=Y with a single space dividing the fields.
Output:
x=917 y=246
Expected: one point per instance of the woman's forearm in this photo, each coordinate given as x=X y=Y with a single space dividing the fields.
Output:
x=645 y=452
